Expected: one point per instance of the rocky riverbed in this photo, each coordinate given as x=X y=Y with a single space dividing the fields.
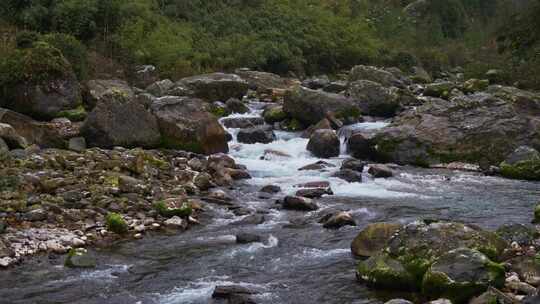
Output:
x=287 y=215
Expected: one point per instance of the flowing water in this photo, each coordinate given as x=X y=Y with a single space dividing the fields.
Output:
x=299 y=261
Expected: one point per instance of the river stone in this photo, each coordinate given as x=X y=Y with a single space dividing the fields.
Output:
x=120 y=122
x=353 y=164
x=311 y=106
x=299 y=203
x=493 y=295
x=176 y=222
x=254 y=219
x=321 y=125
x=45 y=135
x=383 y=271
x=374 y=99
x=439 y=89
x=46 y=100
x=527 y=268
x=370 y=73
x=102 y=90
x=186 y=124
x=242 y=122
x=462 y=274
x=267 y=83
x=338 y=86
x=80 y=258
x=373 y=238
x=227 y=291
x=235 y=105
x=324 y=144
x=270 y=189
x=246 y=238
x=255 y=135
x=314 y=192
x=273 y=114
x=348 y=175
x=519 y=233
x=479 y=128
x=338 y=220
x=358 y=146
x=420 y=75
x=160 y=88
x=380 y=171
x=214 y=87
x=320 y=165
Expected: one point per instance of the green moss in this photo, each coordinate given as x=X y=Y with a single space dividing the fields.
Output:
x=496 y=274
x=111 y=181
x=527 y=170
x=384 y=272
x=275 y=114
x=353 y=112
x=78 y=114
x=164 y=211
x=219 y=111
x=294 y=125
x=169 y=143
x=116 y=223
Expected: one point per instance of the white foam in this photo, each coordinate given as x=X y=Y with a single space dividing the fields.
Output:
x=315 y=253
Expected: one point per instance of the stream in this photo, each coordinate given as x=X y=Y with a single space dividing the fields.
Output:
x=299 y=261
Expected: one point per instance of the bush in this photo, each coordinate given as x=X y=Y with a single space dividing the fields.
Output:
x=116 y=223
x=72 y=49
x=26 y=39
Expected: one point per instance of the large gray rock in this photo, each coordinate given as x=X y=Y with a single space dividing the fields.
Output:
x=186 y=124
x=264 y=82
x=375 y=99
x=324 y=144
x=261 y=134
x=160 y=88
x=385 y=78
x=45 y=135
x=11 y=138
x=311 y=106
x=120 y=122
x=358 y=146
x=44 y=101
x=98 y=90
x=479 y=128
x=213 y=87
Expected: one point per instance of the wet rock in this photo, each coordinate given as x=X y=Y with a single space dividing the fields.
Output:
x=348 y=175
x=380 y=171
x=439 y=89
x=324 y=144
x=523 y=163
x=316 y=83
x=373 y=238
x=374 y=99
x=462 y=274
x=374 y=74
x=224 y=292
x=256 y=135
x=273 y=189
x=399 y=301
x=314 y=192
x=270 y=154
x=519 y=233
x=240 y=299
x=267 y=83
x=103 y=90
x=353 y=164
x=321 y=125
x=319 y=184
x=338 y=220
x=77 y=144
x=254 y=219
x=242 y=122
x=120 y=122
x=273 y=114
x=186 y=124
x=320 y=165
x=358 y=146
x=176 y=222
x=203 y=181
x=299 y=203
x=214 y=87
x=246 y=238
x=310 y=106
x=235 y=105
x=80 y=258
x=383 y=271
x=160 y=88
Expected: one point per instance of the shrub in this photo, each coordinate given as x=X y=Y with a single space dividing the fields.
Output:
x=116 y=223
x=26 y=39
x=72 y=49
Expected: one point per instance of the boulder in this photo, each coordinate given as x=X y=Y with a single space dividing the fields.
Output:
x=324 y=144
x=46 y=100
x=145 y=75
x=10 y=137
x=45 y=135
x=160 y=88
x=385 y=78
x=186 y=124
x=273 y=114
x=380 y=171
x=273 y=189
x=267 y=83
x=420 y=75
x=255 y=135
x=479 y=128
x=314 y=192
x=120 y=122
x=373 y=238
x=213 y=87
x=336 y=87
x=246 y=238
x=321 y=125
x=320 y=165
x=523 y=163
x=242 y=122
x=299 y=203
x=235 y=105
x=77 y=144
x=96 y=91
x=316 y=83
x=461 y=274
x=353 y=164
x=383 y=271
x=311 y=106
x=358 y=146
x=439 y=89
x=349 y=175
x=375 y=99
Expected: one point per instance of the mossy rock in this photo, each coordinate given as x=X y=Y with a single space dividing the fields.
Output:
x=294 y=125
x=170 y=209
x=382 y=271
x=527 y=170
x=475 y=85
x=79 y=258
x=78 y=114
x=373 y=238
x=116 y=223
x=462 y=274
x=274 y=114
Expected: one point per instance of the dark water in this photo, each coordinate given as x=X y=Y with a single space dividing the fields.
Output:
x=299 y=262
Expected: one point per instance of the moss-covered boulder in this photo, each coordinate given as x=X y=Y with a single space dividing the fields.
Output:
x=375 y=99
x=213 y=87
x=374 y=74
x=373 y=238
x=170 y=208
x=80 y=258
x=462 y=274
x=439 y=89
x=116 y=223
x=383 y=271
x=523 y=163
x=104 y=90
x=187 y=124
x=274 y=114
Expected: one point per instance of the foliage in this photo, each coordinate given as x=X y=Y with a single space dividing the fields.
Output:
x=72 y=49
